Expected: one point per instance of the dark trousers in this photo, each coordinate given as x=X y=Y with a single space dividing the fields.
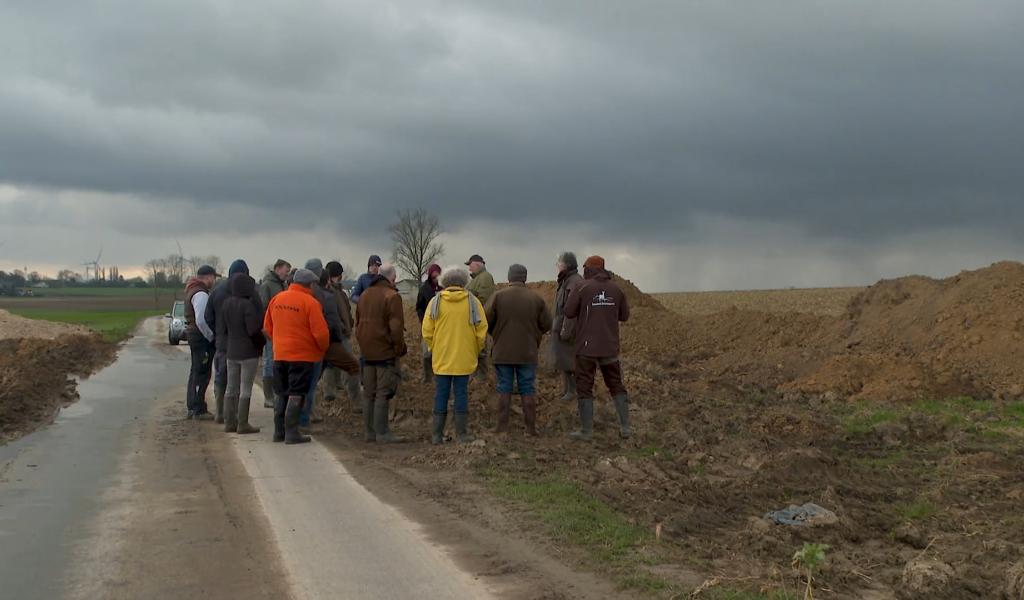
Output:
x=199 y=373
x=586 y=375
x=220 y=368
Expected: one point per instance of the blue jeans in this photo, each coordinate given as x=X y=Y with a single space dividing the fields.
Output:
x=307 y=406
x=509 y=374
x=443 y=385
x=268 y=359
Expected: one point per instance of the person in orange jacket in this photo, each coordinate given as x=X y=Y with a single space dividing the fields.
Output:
x=296 y=326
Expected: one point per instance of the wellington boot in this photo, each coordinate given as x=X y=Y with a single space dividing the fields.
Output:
x=530 y=414
x=586 y=431
x=437 y=433
x=461 y=434
x=279 y=409
x=568 y=386
x=504 y=412
x=243 y=417
x=622 y=408
x=230 y=413
x=291 y=422
x=268 y=392
x=218 y=396
x=370 y=433
x=380 y=423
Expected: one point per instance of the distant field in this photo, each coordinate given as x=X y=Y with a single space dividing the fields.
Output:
x=820 y=301
x=114 y=312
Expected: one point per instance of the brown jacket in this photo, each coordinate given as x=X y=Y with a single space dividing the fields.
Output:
x=598 y=305
x=344 y=309
x=518 y=319
x=380 y=322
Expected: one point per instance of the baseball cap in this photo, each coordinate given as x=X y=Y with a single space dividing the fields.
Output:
x=207 y=270
x=476 y=258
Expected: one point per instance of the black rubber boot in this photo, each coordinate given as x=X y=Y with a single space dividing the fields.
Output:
x=371 y=433
x=230 y=413
x=291 y=422
x=569 y=386
x=218 y=396
x=586 y=430
x=437 y=433
x=461 y=434
x=268 y=392
x=279 y=410
x=622 y=407
x=380 y=423
x=243 y=417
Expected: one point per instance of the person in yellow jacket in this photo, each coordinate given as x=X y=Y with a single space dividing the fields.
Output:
x=455 y=332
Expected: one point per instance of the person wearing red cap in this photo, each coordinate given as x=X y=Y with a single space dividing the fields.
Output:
x=428 y=290
x=598 y=305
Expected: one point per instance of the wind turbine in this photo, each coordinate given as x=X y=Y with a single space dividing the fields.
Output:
x=94 y=265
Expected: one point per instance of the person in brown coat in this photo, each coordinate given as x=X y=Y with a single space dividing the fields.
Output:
x=563 y=332
x=334 y=377
x=598 y=306
x=517 y=318
x=380 y=330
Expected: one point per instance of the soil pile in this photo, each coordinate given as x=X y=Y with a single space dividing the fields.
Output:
x=14 y=327
x=36 y=377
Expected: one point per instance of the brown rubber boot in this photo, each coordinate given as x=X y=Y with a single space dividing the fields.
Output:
x=504 y=412
x=530 y=414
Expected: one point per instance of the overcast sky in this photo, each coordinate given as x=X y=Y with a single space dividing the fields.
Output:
x=696 y=145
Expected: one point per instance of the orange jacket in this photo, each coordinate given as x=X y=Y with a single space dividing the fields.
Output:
x=296 y=325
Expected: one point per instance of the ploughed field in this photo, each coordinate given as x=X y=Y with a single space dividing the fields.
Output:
x=898 y=407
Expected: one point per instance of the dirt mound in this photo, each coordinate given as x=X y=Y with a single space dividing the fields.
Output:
x=14 y=327
x=35 y=377
x=636 y=298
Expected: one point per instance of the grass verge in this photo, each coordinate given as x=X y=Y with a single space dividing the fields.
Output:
x=113 y=325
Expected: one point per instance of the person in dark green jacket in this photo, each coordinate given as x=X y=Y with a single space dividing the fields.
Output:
x=482 y=286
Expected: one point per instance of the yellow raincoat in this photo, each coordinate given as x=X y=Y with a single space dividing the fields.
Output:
x=455 y=331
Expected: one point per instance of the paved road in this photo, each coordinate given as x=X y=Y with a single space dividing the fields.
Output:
x=122 y=498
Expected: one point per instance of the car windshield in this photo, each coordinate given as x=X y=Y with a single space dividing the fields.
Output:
x=178 y=311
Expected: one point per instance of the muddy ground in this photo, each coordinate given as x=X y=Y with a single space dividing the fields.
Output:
x=37 y=372
x=743 y=412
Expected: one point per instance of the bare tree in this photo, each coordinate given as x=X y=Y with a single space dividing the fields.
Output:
x=414 y=236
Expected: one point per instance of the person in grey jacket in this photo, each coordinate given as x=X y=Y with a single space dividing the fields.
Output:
x=563 y=330
x=273 y=284
x=335 y=327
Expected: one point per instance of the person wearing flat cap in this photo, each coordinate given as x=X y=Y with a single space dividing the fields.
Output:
x=598 y=305
x=482 y=286
x=296 y=325
x=517 y=319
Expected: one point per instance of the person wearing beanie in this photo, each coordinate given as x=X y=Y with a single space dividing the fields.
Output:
x=598 y=305
x=295 y=323
x=563 y=330
x=273 y=284
x=332 y=314
x=372 y=270
x=200 y=341
x=334 y=377
x=517 y=319
x=220 y=293
x=380 y=330
x=482 y=286
x=428 y=290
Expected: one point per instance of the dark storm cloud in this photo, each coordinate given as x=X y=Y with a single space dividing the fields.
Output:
x=850 y=120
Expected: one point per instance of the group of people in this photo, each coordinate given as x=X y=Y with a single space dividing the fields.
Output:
x=301 y=321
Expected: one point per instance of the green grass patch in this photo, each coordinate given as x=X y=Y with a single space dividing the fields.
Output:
x=721 y=593
x=102 y=292
x=918 y=510
x=649 y=452
x=880 y=462
x=113 y=325
x=865 y=422
x=571 y=516
x=646 y=583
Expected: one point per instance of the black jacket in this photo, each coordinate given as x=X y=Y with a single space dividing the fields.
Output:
x=427 y=293
x=242 y=317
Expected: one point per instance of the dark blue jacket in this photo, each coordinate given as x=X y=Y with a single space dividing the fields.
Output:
x=362 y=285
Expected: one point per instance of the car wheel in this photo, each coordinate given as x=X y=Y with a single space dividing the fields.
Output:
x=173 y=340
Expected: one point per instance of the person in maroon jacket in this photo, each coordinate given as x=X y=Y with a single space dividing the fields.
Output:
x=598 y=305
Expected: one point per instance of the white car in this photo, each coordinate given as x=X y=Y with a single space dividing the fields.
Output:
x=176 y=331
